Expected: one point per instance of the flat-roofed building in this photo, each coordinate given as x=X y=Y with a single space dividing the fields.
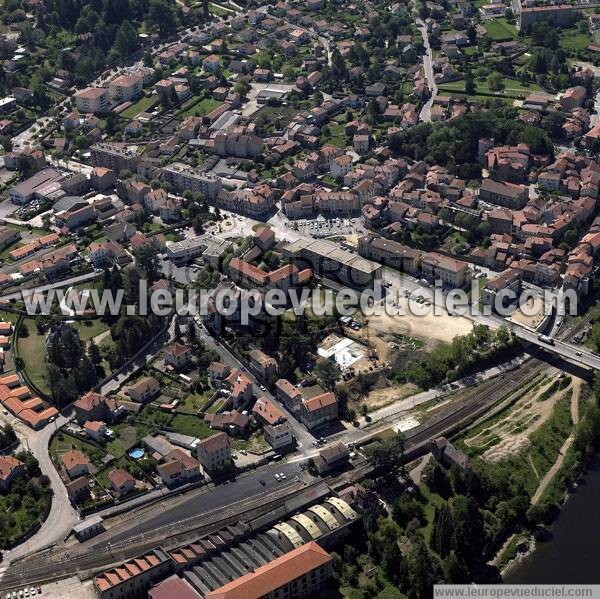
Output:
x=279 y=436
x=334 y=263
x=184 y=177
x=114 y=157
x=209 y=247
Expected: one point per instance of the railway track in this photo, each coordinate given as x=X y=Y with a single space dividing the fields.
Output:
x=57 y=564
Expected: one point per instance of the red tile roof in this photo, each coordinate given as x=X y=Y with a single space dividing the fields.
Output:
x=275 y=574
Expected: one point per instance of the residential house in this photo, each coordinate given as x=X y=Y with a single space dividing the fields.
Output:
x=144 y=390
x=75 y=463
x=121 y=482
x=10 y=468
x=319 y=410
x=262 y=365
x=178 y=356
x=214 y=452
x=332 y=458
x=78 y=490
x=95 y=429
x=289 y=395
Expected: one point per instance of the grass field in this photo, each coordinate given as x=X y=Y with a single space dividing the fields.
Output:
x=32 y=350
x=194 y=401
x=142 y=105
x=200 y=108
x=512 y=88
x=500 y=30
x=190 y=425
x=574 y=40
x=336 y=135
x=88 y=329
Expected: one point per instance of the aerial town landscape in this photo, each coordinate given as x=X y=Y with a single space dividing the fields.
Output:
x=238 y=156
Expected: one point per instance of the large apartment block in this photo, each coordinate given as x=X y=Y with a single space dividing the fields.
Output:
x=388 y=252
x=114 y=157
x=183 y=177
x=92 y=99
x=332 y=262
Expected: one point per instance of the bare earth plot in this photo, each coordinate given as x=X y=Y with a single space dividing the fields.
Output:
x=535 y=305
x=510 y=435
x=565 y=446
x=429 y=328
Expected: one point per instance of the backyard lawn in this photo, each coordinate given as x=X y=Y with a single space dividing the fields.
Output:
x=88 y=329
x=256 y=443
x=336 y=135
x=193 y=402
x=142 y=105
x=200 y=108
x=32 y=350
x=190 y=425
x=512 y=88
x=125 y=437
x=574 y=40
x=500 y=29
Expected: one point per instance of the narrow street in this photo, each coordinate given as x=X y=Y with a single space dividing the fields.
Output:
x=304 y=438
x=425 y=114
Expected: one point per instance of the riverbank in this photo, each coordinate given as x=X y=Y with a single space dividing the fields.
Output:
x=570 y=555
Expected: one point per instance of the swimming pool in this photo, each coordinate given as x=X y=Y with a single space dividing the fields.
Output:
x=137 y=453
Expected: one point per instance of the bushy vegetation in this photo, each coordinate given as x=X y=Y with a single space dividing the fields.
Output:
x=26 y=502
x=461 y=357
x=455 y=144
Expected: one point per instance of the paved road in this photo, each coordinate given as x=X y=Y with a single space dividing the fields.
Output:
x=17 y=295
x=576 y=354
x=425 y=114
x=140 y=360
x=62 y=515
x=162 y=520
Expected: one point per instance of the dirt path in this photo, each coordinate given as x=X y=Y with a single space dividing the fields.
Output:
x=100 y=337
x=549 y=476
x=535 y=470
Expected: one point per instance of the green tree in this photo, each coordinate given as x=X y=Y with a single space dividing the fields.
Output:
x=328 y=372
x=442 y=534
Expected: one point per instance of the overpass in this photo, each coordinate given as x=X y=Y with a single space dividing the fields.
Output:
x=576 y=354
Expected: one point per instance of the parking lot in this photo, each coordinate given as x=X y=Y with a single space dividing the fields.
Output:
x=328 y=227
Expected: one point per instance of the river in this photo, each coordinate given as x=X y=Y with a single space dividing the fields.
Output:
x=571 y=557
